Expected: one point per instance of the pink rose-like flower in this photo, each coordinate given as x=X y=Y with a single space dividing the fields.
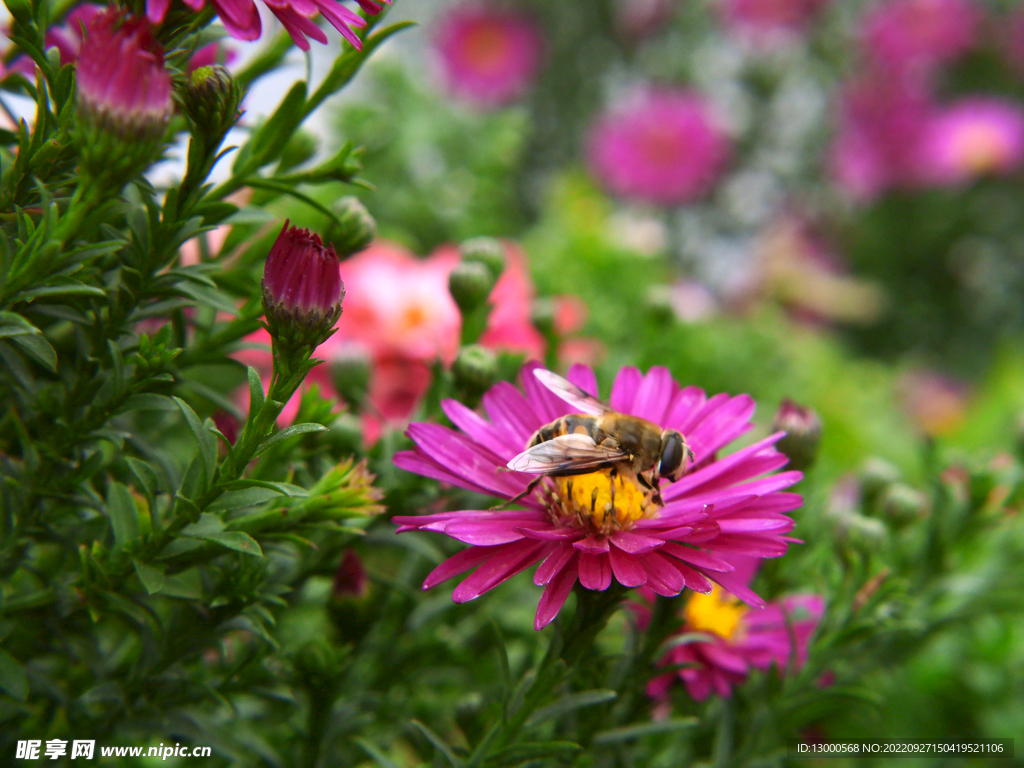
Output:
x=919 y=34
x=877 y=144
x=242 y=19
x=572 y=527
x=738 y=638
x=666 y=148
x=488 y=55
x=971 y=138
x=121 y=75
x=399 y=305
x=769 y=17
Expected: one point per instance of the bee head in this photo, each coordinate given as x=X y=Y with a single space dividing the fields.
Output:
x=674 y=453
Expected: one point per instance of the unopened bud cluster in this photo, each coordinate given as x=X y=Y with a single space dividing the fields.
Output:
x=803 y=433
x=474 y=277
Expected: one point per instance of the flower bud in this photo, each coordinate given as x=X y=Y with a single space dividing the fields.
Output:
x=903 y=504
x=350 y=579
x=876 y=475
x=355 y=228
x=803 y=433
x=302 y=289
x=866 y=533
x=470 y=283
x=211 y=100
x=475 y=369
x=124 y=97
x=487 y=251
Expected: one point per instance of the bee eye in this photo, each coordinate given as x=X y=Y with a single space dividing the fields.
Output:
x=673 y=452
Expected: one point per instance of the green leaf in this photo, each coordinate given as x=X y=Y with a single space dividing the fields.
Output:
x=536 y=750
x=375 y=754
x=284 y=434
x=185 y=585
x=207 y=296
x=627 y=732
x=12 y=676
x=144 y=473
x=124 y=517
x=285 y=489
x=256 y=396
x=571 y=703
x=73 y=288
x=236 y=540
x=207 y=442
x=438 y=743
x=271 y=137
x=152 y=578
x=39 y=348
x=147 y=401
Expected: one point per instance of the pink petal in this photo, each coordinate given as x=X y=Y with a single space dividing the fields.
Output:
x=549 y=534
x=662 y=577
x=730 y=582
x=702 y=560
x=456 y=564
x=583 y=377
x=595 y=572
x=506 y=561
x=546 y=404
x=624 y=389
x=511 y=413
x=593 y=544
x=554 y=564
x=721 y=656
x=635 y=543
x=627 y=568
x=481 y=430
x=554 y=596
x=654 y=394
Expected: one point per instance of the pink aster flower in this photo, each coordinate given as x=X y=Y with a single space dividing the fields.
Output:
x=916 y=35
x=758 y=18
x=573 y=527
x=67 y=38
x=242 y=19
x=738 y=639
x=975 y=136
x=488 y=55
x=664 y=148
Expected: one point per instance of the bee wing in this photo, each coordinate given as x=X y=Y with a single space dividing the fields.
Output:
x=573 y=451
x=572 y=394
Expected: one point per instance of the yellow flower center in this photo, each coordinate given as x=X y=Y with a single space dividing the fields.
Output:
x=606 y=504
x=718 y=612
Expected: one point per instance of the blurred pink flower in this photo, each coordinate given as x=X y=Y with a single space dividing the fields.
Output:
x=1013 y=40
x=739 y=638
x=975 y=136
x=637 y=19
x=917 y=35
x=67 y=38
x=936 y=403
x=664 y=148
x=769 y=17
x=510 y=325
x=877 y=144
x=399 y=306
x=488 y=55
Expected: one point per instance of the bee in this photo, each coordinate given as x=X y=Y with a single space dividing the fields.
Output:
x=599 y=438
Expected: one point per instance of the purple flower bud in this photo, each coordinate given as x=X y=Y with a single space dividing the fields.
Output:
x=124 y=96
x=350 y=579
x=121 y=72
x=301 y=281
x=803 y=433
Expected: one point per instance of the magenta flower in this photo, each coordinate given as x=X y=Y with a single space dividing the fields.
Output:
x=738 y=639
x=769 y=17
x=973 y=137
x=666 y=148
x=881 y=125
x=572 y=527
x=488 y=55
x=917 y=35
x=121 y=76
x=67 y=38
x=301 y=279
x=242 y=19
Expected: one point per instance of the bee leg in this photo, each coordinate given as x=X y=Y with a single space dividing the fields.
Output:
x=529 y=489
x=653 y=487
